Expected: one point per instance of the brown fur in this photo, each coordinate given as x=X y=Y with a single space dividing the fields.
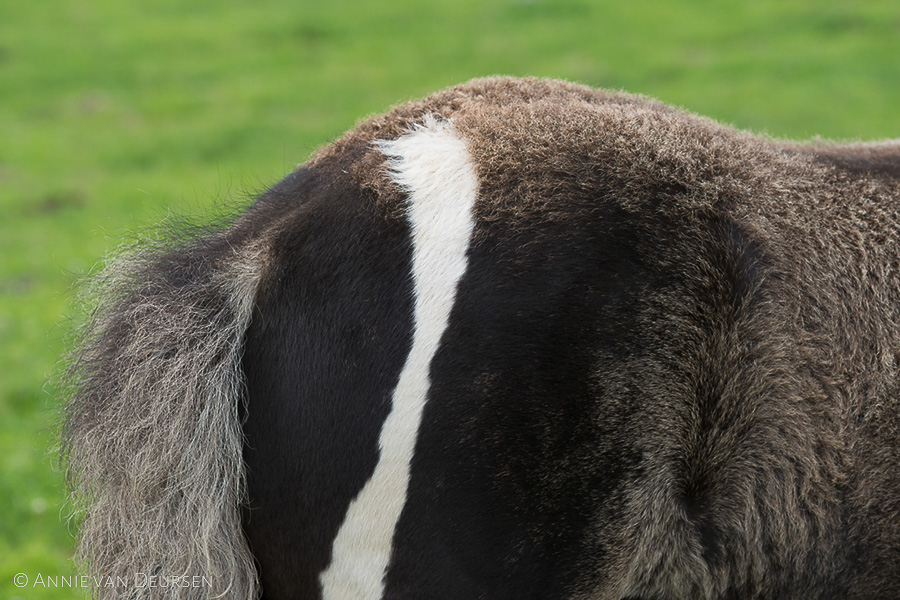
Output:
x=770 y=428
x=799 y=460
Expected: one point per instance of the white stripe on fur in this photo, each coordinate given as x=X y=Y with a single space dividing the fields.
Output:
x=431 y=164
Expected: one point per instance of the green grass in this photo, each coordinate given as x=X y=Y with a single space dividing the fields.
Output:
x=114 y=114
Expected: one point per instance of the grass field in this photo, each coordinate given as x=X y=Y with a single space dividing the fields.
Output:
x=114 y=115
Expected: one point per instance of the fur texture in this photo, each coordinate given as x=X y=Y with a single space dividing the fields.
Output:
x=671 y=368
x=432 y=165
x=153 y=438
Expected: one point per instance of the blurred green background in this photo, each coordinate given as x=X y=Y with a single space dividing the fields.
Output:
x=114 y=115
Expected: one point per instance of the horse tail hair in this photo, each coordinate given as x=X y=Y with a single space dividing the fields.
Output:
x=151 y=432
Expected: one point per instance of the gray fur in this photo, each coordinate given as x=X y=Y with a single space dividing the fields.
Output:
x=153 y=438
x=768 y=427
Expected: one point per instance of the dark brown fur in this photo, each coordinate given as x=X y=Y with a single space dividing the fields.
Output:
x=765 y=399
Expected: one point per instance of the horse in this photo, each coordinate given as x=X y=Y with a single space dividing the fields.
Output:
x=519 y=339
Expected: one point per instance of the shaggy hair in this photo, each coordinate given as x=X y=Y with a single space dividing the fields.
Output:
x=152 y=437
x=757 y=381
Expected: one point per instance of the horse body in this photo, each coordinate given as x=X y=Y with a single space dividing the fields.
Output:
x=522 y=339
